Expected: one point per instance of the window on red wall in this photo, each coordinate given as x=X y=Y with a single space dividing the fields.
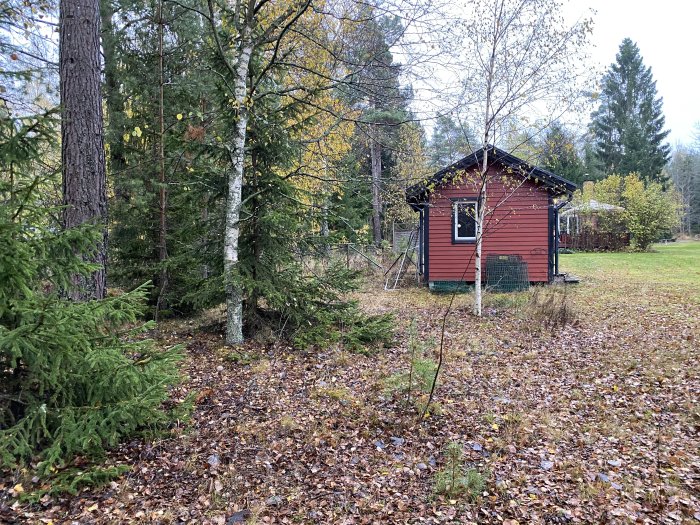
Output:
x=464 y=221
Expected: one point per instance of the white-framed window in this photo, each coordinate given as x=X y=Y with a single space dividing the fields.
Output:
x=464 y=220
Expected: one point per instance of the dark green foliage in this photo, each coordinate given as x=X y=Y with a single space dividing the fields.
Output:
x=559 y=155
x=285 y=292
x=592 y=168
x=684 y=169
x=352 y=204
x=193 y=169
x=629 y=124
x=375 y=90
x=74 y=377
x=375 y=86
x=312 y=310
x=71 y=480
x=361 y=333
x=306 y=302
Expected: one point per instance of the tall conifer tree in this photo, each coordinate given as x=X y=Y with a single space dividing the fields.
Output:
x=450 y=141
x=629 y=124
x=376 y=91
x=560 y=156
x=82 y=136
x=75 y=377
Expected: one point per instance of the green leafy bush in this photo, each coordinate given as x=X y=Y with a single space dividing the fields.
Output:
x=649 y=211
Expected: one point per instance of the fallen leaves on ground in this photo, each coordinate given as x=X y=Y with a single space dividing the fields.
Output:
x=595 y=422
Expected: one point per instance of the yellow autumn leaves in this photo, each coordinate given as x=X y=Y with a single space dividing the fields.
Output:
x=138 y=132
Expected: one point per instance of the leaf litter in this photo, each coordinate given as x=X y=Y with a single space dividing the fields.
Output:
x=595 y=422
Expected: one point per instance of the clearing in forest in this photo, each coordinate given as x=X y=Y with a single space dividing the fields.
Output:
x=593 y=419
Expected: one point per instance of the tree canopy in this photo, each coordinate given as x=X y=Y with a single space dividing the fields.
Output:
x=559 y=154
x=451 y=140
x=628 y=126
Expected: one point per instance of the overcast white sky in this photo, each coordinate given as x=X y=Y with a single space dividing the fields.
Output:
x=668 y=36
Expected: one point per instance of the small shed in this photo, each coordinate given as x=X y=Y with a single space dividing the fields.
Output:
x=521 y=222
x=593 y=226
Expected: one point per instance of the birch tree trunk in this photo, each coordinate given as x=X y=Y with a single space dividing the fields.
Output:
x=488 y=134
x=480 y=218
x=246 y=29
x=233 y=289
x=82 y=134
x=376 y=157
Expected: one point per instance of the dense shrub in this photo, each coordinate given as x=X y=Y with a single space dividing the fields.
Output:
x=649 y=211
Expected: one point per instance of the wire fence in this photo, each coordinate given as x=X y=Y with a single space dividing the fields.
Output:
x=359 y=257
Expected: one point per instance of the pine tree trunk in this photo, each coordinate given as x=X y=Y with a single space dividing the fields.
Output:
x=234 y=292
x=206 y=271
x=162 y=193
x=82 y=134
x=114 y=103
x=253 y=179
x=376 y=157
x=325 y=231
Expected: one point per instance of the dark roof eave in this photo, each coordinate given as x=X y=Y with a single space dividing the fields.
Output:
x=418 y=193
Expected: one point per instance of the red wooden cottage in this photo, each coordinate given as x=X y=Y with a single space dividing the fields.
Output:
x=522 y=206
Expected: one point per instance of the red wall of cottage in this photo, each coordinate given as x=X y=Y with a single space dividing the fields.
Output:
x=518 y=223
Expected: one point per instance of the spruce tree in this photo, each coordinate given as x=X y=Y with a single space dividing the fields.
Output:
x=559 y=154
x=143 y=163
x=629 y=124
x=684 y=170
x=75 y=377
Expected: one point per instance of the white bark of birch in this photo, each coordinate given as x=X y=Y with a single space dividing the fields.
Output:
x=233 y=289
x=489 y=117
x=480 y=217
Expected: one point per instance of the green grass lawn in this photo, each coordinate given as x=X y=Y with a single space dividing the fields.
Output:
x=668 y=265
